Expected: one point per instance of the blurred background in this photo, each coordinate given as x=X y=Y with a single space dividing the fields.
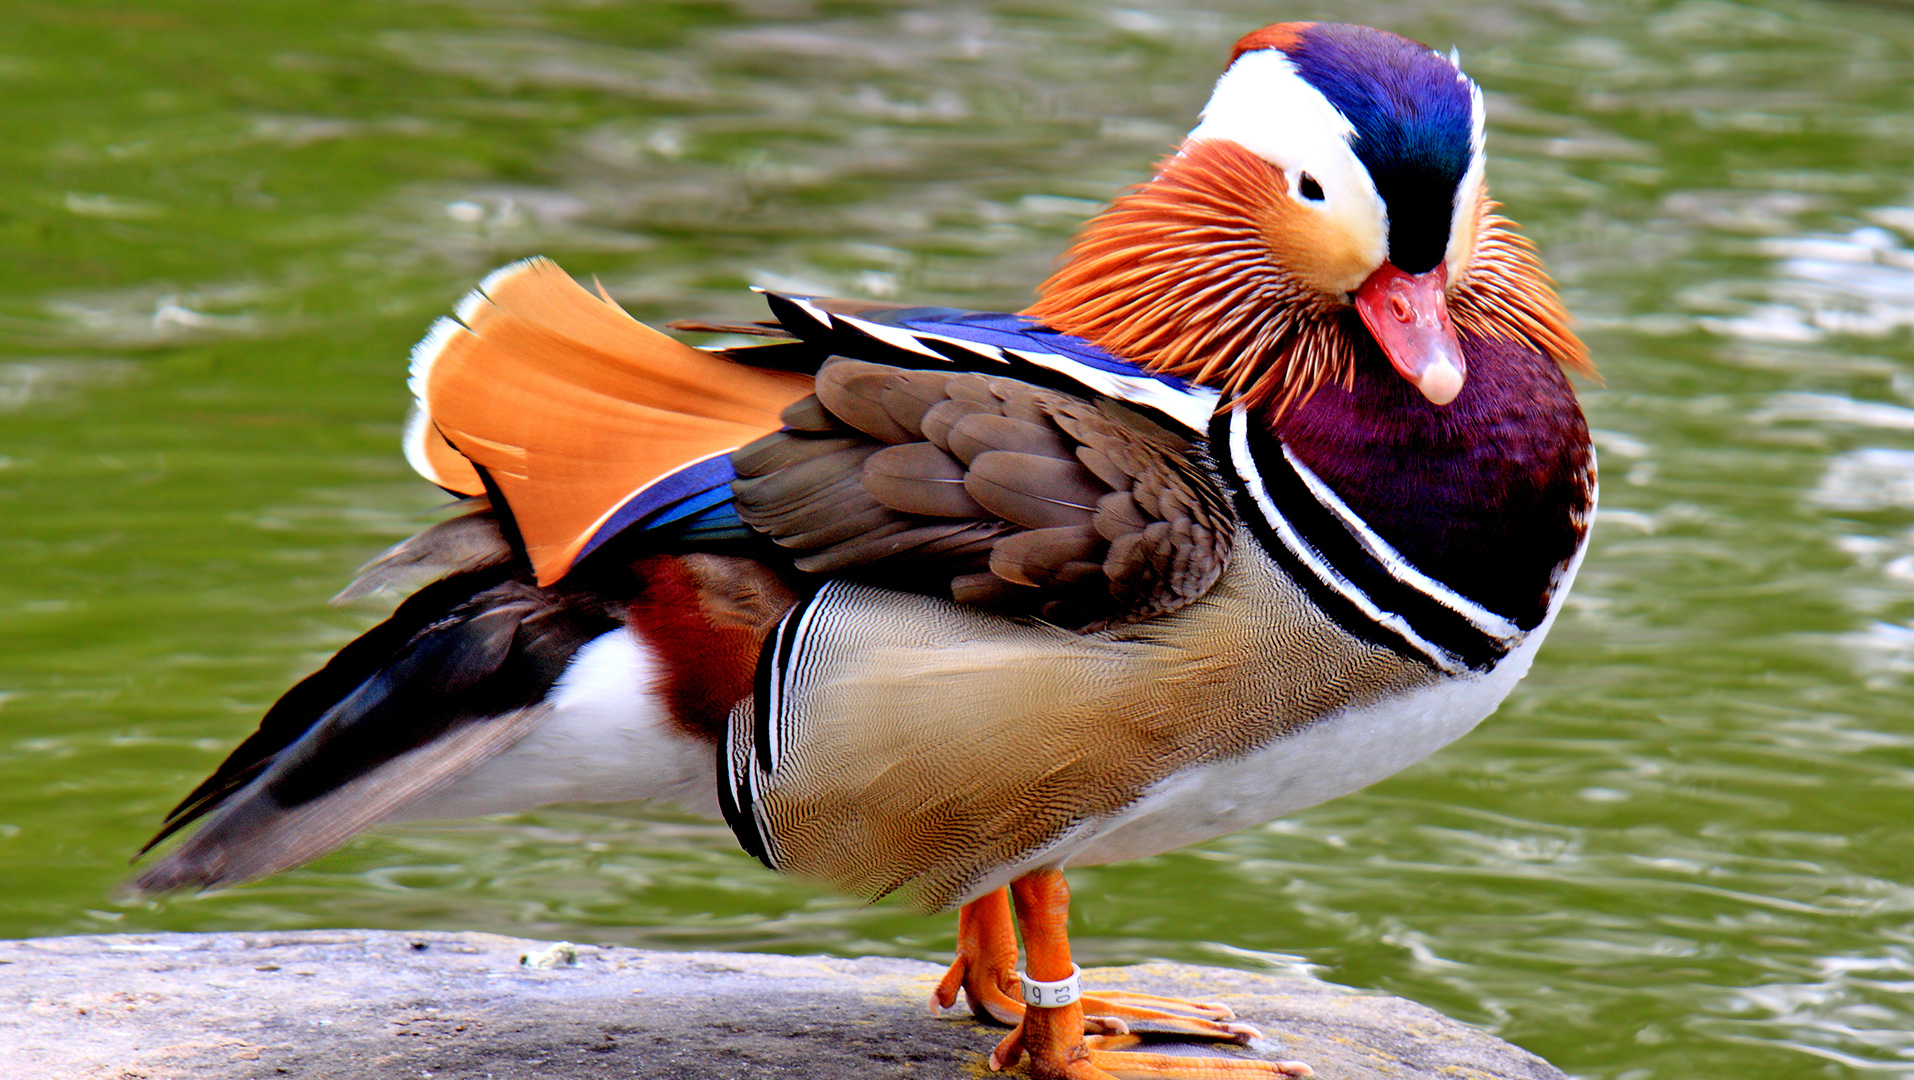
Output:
x=1681 y=850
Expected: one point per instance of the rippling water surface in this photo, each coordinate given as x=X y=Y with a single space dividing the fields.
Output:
x=1680 y=851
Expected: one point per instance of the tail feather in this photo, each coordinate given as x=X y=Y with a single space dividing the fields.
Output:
x=459 y=673
x=572 y=407
x=470 y=542
x=303 y=706
x=256 y=834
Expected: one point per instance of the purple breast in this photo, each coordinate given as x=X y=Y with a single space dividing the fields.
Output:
x=1488 y=494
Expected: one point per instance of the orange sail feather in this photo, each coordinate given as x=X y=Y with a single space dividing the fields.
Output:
x=572 y=406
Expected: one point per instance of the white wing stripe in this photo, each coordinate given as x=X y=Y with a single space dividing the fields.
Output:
x=896 y=337
x=1192 y=407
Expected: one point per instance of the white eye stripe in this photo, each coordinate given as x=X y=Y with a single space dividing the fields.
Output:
x=1478 y=116
x=1462 y=233
x=1264 y=104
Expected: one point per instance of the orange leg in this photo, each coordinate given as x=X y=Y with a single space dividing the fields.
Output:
x=986 y=964
x=1053 y=1037
x=986 y=971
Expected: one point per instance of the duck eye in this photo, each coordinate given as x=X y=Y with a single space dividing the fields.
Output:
x=1309 y=189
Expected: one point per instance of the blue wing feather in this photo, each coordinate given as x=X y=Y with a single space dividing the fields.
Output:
x=696 y=498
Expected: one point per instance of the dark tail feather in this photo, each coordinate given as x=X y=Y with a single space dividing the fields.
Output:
x=472 y=541
x=255 y=834
x=300 y=708
x=454 y=677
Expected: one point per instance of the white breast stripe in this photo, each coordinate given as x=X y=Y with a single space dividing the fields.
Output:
x=1245 y=469
x=741 y=776
x=784 y=665
x=1398 y=567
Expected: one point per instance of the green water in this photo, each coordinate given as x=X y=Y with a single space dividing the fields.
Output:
x=1680 y=851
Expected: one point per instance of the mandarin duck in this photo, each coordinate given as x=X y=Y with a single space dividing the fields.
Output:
x=1274 y=491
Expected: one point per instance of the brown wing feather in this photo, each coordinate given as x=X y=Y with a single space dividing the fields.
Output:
x=993 y=492
x=572 y=406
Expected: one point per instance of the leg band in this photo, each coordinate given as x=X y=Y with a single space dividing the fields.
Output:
x=1052 y=995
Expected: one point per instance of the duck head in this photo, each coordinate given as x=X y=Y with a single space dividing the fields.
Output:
x=1330 y=204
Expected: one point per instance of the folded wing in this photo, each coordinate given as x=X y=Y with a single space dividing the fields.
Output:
x=992 y=491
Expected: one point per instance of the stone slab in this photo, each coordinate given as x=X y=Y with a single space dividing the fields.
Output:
x=445 y=1006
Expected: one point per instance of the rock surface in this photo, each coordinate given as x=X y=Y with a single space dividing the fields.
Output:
x=372 y=1004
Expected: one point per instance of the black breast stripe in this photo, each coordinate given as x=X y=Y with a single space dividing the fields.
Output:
x=756 y=738
x=1335 y=566
x=751 y=745
x=736 y=802
x=737 y=791
x=1344 y=551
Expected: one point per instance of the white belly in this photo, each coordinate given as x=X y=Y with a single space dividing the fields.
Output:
x=1336 y=755
x=608 y=738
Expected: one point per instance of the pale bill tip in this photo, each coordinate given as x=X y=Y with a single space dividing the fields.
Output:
x=1441 y=381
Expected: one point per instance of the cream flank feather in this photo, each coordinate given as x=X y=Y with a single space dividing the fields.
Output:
x=1199 y=273
x=942 y=748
